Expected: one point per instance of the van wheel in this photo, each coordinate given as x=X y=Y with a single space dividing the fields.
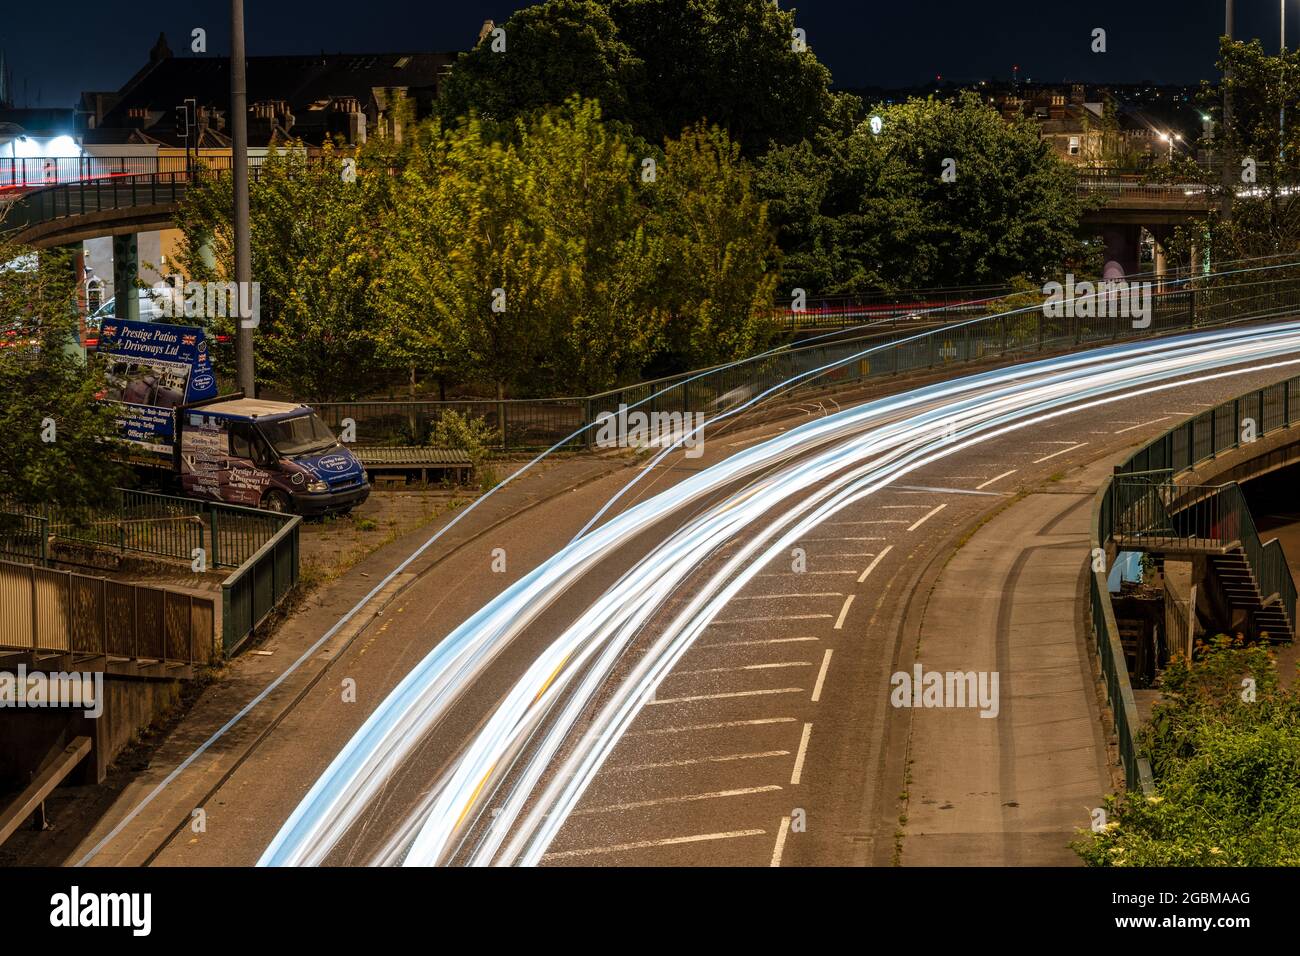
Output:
x=276 y=501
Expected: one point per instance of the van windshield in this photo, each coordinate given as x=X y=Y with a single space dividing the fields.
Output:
x=301 y=435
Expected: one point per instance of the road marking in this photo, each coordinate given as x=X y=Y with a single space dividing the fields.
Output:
x=852 y=554
x=798 y=759
x=921 y=490
x=782 y=574
x=774 y=597
x=848 y=602
x=996 y=478
x=720 y=725
x=778 y=617
x=647 y=844
x=838 y=540
x=821 y=676
x=770 y=640
x=734 y=693
x=872 y=566
x=927 y=516
x=683 y=798
x=780 y=842
x=1039 y=461
x=840 y=524
x=897 y=507
x=746 y=667
x=726 y=758
x=1140 y=425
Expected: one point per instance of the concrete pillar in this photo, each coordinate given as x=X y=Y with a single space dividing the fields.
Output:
x=1121 y=255
x=126 y=269
x=1161 y=236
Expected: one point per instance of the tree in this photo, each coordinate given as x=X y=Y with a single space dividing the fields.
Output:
x=866 y=210
x=52 y=420
x=313 y=243
x=723 y=260
x=659 y=66
x=736 y=64
x=553 y=50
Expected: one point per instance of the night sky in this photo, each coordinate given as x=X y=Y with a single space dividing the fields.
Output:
x=57 y=50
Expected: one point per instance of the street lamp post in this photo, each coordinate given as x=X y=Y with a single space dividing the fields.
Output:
x=239 y=169
x=1227 y=171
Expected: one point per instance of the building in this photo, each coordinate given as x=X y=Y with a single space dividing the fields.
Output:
x=336 y=97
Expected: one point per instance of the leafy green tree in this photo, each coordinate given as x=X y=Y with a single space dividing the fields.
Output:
x=731 y=63
x=553 y=50
x=59 y=438
x=313 y=240
x=722 y=258
x=1227 y=769
x=860 y=211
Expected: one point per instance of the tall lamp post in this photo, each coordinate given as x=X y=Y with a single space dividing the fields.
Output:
x=239 y=146
x=1228 y=178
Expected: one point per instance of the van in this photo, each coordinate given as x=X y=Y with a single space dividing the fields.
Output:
x=273 y=455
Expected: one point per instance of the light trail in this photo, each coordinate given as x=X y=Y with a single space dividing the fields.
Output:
x=511 y=763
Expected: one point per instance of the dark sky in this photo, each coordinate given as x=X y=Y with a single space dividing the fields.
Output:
x=59 y=48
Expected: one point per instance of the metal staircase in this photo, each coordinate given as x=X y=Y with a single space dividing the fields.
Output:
x=1214 y=522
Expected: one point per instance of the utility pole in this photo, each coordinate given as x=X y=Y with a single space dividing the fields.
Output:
x=243 y=247
x=1229 y=178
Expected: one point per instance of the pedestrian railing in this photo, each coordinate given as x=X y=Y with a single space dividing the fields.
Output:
x=259 y=585
x=60 y=612
x=1131 y=503
x=24 y=537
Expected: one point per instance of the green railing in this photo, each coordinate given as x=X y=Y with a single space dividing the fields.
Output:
x=24 y=537
x=167 y=526
x=259 y=585
x=1126 y=503
x=1183 y=305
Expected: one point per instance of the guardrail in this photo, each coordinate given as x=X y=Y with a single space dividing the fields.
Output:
x=1183 y=305
x=1179 y=450
x=49 y=611
x=258 y=586
x=24 y=536
x=39 y=172
x=166 y=526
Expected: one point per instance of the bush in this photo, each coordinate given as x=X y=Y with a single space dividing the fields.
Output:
x=468 y=433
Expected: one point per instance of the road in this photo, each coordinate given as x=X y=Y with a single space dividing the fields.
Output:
x=728 y=719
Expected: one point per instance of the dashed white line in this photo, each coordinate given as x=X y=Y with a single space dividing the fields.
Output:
x=798 y=759
x=927 y=516
x=780 y=842
x=646 y=844
x=774 y=597
x=682 y=798
x=734 y=693
x=720 y=725
x=770 y=640
x=821 y=676
x=745 y=667
x=996 y=478
x=1141 y=425
x=848 y=602
x=1039 y=461
x=777 y=617
x=724 y=758
x=872 y=566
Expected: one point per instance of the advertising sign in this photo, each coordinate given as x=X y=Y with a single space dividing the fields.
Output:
x=152 y=368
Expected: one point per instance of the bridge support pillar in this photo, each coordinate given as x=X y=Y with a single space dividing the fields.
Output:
x=1161 y=235
x=126 y=270
x=1121 y=255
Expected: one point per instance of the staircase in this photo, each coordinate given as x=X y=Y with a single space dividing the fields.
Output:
x=1213 y=521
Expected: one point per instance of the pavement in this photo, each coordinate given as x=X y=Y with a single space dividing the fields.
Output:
x=1010 y=788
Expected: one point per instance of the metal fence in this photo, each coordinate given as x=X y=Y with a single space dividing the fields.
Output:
x=514 y=423
x=53 y=611
x=1127 y=505
x=259 y=585
x=25 y=537
x=167 y=526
